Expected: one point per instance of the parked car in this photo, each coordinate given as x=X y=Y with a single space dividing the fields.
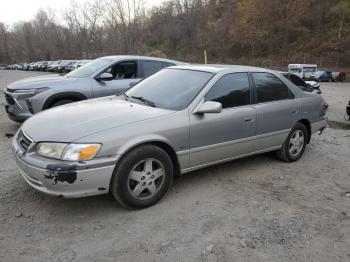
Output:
x=307 y=86
x=81 y=63
x=36 y=66
x=76 y=64
x=61 y=68
x=70 y=66
x=180 y=119
x=29 y=66
x=46 y=65
x=304 y=71
x=322 y=76
x=19 y=67
x=339 y=76
x=53 y=66
x=101 y=77
x=25 y=66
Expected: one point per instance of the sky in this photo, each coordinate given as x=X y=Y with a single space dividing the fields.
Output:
x=12 y=11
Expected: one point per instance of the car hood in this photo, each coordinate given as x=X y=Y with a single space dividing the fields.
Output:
x=70 y=122
x=40 y=81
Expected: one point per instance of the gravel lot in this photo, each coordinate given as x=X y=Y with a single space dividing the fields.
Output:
x=253 y=209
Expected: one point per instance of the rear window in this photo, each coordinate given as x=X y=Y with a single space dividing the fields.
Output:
x=270 y=88
x=151 y=67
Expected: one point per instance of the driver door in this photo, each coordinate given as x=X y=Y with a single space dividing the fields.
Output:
x=125 y=74
x=220 y=136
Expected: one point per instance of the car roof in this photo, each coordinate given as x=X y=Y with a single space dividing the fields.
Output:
x=216 y=68
x=119 y=57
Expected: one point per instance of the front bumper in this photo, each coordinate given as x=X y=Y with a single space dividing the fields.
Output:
x=64 y=178
x=81 y=183
x=17 y=107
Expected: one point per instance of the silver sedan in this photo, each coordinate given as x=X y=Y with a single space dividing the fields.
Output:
x=178 y=120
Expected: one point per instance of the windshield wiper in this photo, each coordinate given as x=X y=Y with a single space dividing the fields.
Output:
x=146 y=101
x=123 y=94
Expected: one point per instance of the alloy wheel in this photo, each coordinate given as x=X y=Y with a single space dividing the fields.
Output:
x=296 y=142
x=146 y=178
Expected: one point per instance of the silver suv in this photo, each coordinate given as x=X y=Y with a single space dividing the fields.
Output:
x=180 y=119
x=101 y=77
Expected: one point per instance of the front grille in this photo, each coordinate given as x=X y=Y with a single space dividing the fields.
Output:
x=23 y=141
x=9 y=99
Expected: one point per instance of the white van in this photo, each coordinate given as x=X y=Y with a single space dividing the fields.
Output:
x=304 y=71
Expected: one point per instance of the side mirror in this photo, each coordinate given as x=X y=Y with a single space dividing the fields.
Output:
x=105 y=77
x=209 y=107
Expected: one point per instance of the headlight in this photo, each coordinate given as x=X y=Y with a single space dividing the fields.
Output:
x=70 y=152
x=78 y=152
x=31 y=91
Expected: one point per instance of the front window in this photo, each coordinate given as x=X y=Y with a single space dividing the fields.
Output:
x=90 y=68
x=172 y=89
x=123 y=70
x=231 y=90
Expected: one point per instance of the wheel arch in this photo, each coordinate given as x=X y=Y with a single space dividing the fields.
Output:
x=307 y=124
x=72 y=95
x=161 y=143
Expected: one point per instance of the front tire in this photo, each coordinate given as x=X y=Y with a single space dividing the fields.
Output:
x=294 y=146
x=142 y=177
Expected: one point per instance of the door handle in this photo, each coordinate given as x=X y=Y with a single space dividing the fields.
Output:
x=248 y=119
x=294 y=111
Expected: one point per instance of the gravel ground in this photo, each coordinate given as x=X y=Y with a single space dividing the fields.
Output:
x=338 y=96
x=253 y=209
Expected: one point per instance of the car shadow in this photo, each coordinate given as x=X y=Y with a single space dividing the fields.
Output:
x=106 y=203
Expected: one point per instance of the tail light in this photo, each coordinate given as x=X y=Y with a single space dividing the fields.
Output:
x=325 y=106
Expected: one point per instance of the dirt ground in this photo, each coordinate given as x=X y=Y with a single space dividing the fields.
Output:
x=253 y=209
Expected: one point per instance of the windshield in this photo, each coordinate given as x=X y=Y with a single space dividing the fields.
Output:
x=90 y=68
x=172 y=89
x=295 y=70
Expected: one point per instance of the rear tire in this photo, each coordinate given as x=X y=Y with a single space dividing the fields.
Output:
x=294 y=146
x=142 y=177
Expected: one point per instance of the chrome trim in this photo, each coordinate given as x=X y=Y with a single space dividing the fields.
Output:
x=186 y=170
x=183 y=152
x=19 y=136
x=26 y=136
x=237 y=141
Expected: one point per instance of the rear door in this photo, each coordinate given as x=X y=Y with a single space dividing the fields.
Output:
x=276 y=108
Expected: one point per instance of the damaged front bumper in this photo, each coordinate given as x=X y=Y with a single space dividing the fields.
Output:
x=63 y=178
